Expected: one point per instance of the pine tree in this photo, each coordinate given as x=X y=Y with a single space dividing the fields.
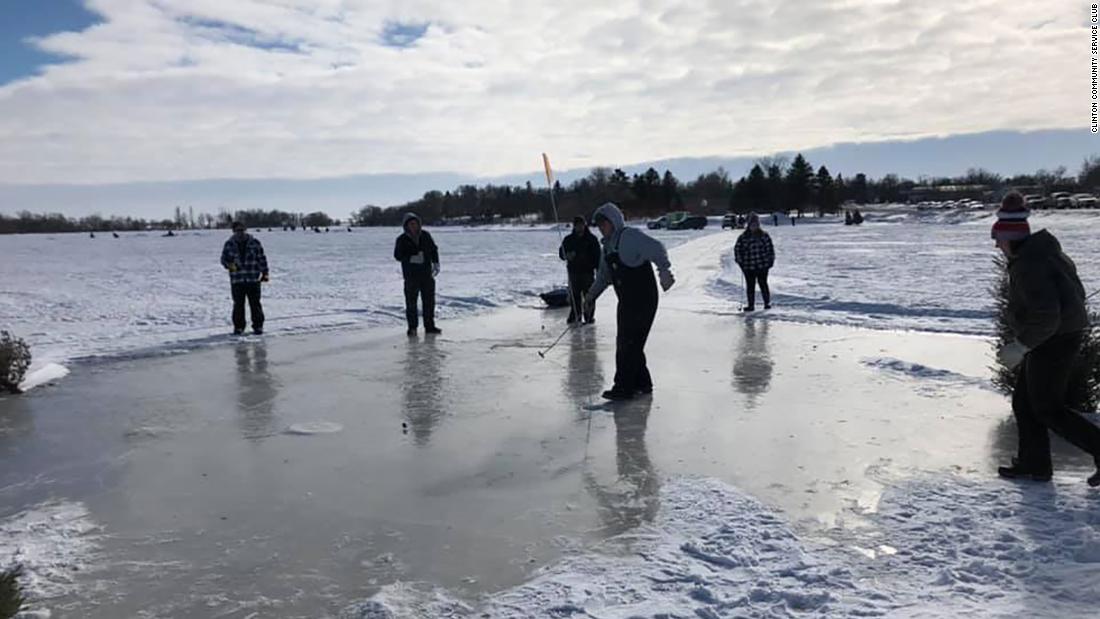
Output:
x=15 y=358
x=799 y=183
x=11 y=596
x=1083 y=392
x=826 y=191
x=756 y=190
x=777 y=192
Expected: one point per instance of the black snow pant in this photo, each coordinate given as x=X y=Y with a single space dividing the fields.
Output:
x=250 y=291
x=1039 y=404
x=751 y=279
x=637 y=291
x=579 y=283
x=422 y=286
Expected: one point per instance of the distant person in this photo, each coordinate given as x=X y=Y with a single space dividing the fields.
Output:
x=627 y=264
x=755 y=254
x=1048 y=319
x=775 y=220
x=581 y=253
x=243 y=256
x=419 y=258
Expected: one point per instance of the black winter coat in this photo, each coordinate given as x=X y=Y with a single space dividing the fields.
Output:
x=585 y=250
x=1046 y=297
x=416 y=257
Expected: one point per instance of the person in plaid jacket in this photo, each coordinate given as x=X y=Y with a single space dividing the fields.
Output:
x=755 y=255
x=243 y=256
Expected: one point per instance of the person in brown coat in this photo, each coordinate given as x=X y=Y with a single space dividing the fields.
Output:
x=1048 y=318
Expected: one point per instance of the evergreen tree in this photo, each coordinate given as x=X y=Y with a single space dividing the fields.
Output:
x=1083 y=391
x=670 y=190
x=826 y=191
x=756 y=190
x=11 y=594
x=777 y=192
x=858 y=189
x=799 y=183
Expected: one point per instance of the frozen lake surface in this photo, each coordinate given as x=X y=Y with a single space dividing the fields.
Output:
x=834 y=457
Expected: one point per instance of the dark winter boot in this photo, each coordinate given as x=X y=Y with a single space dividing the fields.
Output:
x=617 y=395
x=748 y=308
x=1016 y=471
x=433 y=330
x=411 y=333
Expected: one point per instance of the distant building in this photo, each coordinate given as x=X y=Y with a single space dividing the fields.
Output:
x=944 y=193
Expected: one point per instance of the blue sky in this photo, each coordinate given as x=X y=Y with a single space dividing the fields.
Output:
x=159 y=94
x=23 y=19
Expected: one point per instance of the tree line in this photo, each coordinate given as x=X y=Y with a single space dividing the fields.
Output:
x=26 y=222
x=772 y=184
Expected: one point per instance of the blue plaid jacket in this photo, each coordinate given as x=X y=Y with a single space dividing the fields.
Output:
x=248 y=256
x=754 y=252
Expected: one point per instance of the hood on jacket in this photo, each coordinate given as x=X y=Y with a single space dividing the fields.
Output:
x=1038 y=245
x=610 y=212
x=410 y=217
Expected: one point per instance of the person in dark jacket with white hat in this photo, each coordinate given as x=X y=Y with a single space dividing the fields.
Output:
x=1048 y=318
x=419 y=257
x=629 y=256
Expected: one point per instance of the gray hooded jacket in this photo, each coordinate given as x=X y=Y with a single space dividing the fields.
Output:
x=634 y=247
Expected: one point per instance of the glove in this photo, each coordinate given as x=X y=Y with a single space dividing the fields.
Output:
x=667 y=280
x=435 y=269
x=569 y=256
x=265 y=278
x=232 y=267
x=1011 y=355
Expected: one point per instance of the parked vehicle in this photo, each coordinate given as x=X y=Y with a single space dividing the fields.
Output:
x=658 y=224
x=1035 y=201
x=1061 y=199
x=1084 y=200
x=729 y=220
x=681 y=220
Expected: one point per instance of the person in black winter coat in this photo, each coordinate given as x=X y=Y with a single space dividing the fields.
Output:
x=755 y=255
x=419 y=257
x=581 y=253
x=1048 y=317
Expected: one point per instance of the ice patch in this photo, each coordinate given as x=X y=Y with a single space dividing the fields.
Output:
x=310 y=428
x=52 y=542
x=51 y=372
x=945 y=547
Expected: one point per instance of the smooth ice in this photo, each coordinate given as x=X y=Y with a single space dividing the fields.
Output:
x=466 y=460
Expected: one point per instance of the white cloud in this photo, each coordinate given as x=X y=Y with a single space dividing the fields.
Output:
x=287 y=88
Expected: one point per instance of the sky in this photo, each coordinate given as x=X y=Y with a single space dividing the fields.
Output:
x=140 y=93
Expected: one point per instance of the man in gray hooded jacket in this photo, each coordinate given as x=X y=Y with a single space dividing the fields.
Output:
x=626 y=263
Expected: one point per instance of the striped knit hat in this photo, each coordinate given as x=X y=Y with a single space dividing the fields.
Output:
x=1011 y=224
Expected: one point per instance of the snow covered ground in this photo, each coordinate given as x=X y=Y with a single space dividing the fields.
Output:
x=933 y=546
x=71 y=297
x=791 y=466
x=74 y=297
